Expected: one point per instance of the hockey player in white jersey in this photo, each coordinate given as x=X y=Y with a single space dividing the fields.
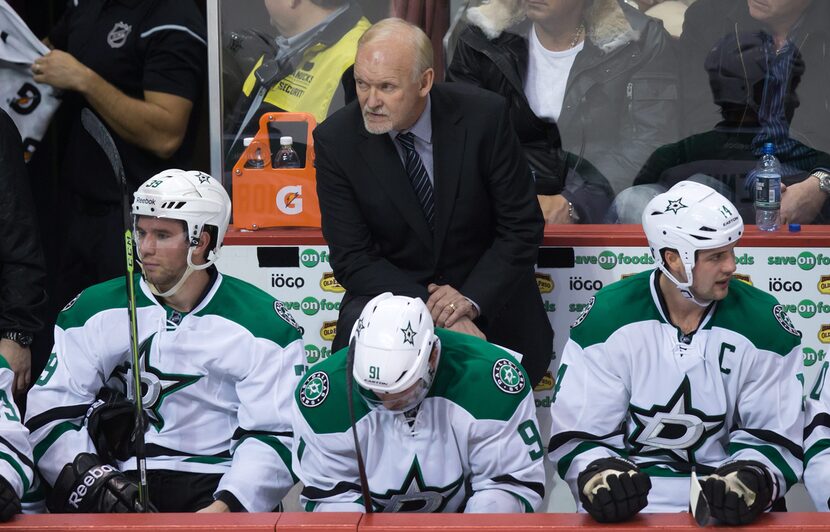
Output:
x=16 y=467
x=817 y=441
x=676 y=368
x=220 y=359
x=445 y=421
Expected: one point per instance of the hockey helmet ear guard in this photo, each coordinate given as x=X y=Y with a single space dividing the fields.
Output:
x=688 y=218
x=195 y=198
x=394 y=338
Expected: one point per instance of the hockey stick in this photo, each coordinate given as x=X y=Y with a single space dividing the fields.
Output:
x=697 y=501
x=99 y=133
x=361 y=468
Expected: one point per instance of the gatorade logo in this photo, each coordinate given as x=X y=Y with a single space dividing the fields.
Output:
x=608 y=260
x=824 y=284
x=311 y=305
x=805 y=260
x=311 y=258
x=329 y=284
x=811 y=356
x=328 y=330
x=28 y=98
x=290 y=200
x=544 y=282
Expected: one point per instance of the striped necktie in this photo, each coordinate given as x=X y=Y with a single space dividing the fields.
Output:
x=418 y=176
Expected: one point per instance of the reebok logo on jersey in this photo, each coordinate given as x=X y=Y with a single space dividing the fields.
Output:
x=76 y=498
x=508 y=376
x=315 y=389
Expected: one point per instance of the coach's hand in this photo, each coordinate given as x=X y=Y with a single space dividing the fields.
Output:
x=447 y=305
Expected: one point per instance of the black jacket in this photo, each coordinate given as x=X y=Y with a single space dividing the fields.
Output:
x=22 y=268
x=621 y=100
x=709 y=20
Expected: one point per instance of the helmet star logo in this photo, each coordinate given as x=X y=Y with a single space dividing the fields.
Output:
x=675 y=205
x=408 y=334
x=360 y=327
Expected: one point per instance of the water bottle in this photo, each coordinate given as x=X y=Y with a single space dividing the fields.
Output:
x=255 y=158
x=286 y=157
x=768 y=190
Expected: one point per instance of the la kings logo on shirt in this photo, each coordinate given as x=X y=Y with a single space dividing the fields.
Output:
x=675 y=429
x=315 y=389
x=784 y=320
x=508 y=376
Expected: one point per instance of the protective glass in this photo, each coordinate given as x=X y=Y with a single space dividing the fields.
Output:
x=395 y=403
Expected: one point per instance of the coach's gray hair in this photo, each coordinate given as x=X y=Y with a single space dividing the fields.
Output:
x=411 y=34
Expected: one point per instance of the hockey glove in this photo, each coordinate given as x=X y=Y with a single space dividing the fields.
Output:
x=110 y=421
x=738 y=492
x=9 y=501
x=613 y=489
x=88 y=485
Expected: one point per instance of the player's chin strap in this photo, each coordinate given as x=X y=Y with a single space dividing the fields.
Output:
x=361 y=468
x=187 y=271
x=685 y=288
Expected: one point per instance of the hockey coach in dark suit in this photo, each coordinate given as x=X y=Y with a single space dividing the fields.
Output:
x=424 y=192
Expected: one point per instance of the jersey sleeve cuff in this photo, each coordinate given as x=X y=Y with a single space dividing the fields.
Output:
x=230 y=499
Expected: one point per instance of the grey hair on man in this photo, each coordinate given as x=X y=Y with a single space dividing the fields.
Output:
x=411 y=35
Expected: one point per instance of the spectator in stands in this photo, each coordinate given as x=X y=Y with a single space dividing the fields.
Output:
x=678 y=368
x=603 y=71
x=140 y=66
x=500 y=65
x=219 y=362
x=424 y=192
x=309 y=69
x=738 y=71
x=22 y=271
x=430 y=443
x=788 y=27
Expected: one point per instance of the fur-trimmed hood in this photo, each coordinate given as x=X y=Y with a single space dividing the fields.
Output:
x=607 y=26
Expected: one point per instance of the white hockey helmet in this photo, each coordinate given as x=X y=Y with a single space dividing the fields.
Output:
x=688 y=218
x=393 y=340
x=195 y=198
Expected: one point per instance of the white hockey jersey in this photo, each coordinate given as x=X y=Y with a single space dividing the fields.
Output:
x=15 y=450
x=476 y=430
x=218 y=384
x=817 y=442
x=631 y=384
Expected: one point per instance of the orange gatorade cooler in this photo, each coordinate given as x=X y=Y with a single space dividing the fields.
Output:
x=265 y=196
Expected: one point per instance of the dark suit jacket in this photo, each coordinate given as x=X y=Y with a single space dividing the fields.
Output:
x=488 y=225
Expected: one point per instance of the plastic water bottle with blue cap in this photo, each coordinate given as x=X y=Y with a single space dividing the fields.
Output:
x=768 y=190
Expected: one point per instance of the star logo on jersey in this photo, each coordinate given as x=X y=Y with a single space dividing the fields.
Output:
x=415 y=496
x=508 y=376
x=315 y=389
x=675 y=429
x=675 y=205
x=408 y=334
x=360 y=327
x=156 y=385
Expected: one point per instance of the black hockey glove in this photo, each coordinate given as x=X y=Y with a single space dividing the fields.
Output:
x=110 y=421
x=88 y=485
x=738 y=492
x=613 y=489
x=9 y=501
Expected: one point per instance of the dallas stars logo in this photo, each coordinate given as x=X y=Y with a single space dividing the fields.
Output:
x=508 y=376
x=415 y=496
x=315 y=389
x=156 y=385
x=675 y=205
x=360 y=327
x=675 y=429
x=408 y=334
